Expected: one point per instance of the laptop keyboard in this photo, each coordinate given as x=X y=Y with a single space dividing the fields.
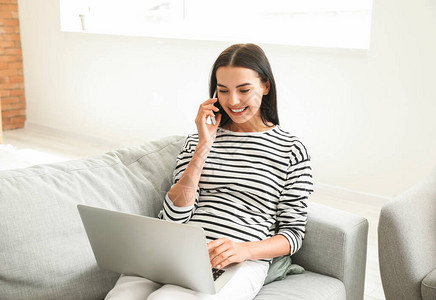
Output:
x=217 y=273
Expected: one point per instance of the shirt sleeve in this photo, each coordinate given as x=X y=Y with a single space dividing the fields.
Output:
x=169 y=211
x=292 y=206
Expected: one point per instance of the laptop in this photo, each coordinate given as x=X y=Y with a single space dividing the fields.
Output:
x=159 y=250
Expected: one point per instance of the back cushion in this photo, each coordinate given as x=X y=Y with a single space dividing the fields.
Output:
x=44 y=251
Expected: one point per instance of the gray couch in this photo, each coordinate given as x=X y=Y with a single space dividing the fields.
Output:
x=45 y=254
x=407 y=243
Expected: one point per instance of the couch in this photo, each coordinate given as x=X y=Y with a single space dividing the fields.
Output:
x=45 y=254
x=407 y=243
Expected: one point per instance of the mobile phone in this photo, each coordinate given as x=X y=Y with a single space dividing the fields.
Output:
x=217 y=104
x=212 y=119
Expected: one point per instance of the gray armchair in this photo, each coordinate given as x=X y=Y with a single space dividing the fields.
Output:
x=407 y=243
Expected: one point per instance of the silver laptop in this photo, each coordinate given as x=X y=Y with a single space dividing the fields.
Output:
x=162 y=251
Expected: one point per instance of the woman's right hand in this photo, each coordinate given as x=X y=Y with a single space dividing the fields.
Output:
x=183 y=193
x=207 y=132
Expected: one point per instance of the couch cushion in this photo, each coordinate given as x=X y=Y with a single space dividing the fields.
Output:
x=308 y=286
x=428 y=286
x=44 y=251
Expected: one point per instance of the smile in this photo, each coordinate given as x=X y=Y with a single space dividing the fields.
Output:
x=238 y=110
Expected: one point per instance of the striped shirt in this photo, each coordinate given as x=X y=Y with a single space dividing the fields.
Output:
x=253 y=185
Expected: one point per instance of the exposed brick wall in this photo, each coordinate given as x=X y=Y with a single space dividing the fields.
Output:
x=13 y=103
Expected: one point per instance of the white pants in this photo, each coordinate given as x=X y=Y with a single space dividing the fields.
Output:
x=244 y=285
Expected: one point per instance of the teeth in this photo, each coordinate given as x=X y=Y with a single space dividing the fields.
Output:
x=238 y=110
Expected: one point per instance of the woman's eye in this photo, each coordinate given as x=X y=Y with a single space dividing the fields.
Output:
x=221 y=91
x=244 y=91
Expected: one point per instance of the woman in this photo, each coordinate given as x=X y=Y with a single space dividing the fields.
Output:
x=242 y=178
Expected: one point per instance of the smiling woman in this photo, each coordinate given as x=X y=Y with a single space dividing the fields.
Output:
x=244 y=180
x=316 y=23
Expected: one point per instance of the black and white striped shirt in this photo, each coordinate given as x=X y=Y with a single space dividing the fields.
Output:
x=253 y=185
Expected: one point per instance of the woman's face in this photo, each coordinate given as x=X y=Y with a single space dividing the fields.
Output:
x=240 y=92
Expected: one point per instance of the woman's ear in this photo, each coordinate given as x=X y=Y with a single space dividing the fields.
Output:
x=266 y=87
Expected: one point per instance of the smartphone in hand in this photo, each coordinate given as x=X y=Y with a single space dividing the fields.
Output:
x=212 y=119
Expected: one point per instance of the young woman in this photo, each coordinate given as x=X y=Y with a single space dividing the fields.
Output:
x=242 y=178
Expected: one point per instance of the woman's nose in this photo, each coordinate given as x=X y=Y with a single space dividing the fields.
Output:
x=234 y=99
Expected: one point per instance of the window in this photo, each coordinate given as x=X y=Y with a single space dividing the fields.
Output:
x=315 y=23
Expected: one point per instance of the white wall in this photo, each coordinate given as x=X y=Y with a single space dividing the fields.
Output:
x=367 y=118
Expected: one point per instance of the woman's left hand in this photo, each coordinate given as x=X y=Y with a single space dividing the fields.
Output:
x=223 y=252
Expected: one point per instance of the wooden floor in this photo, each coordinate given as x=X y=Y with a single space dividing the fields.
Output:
x=64 y=147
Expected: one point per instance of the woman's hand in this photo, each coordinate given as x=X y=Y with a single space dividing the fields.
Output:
x=223 y=252
x=207 y=132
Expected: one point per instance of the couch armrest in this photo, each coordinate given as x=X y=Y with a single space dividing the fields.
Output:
x=407 y=240
x=335 y=245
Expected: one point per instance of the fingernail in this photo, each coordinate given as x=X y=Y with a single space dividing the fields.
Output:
x=218 y=267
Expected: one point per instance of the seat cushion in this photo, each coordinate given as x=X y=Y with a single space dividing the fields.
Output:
x=428 y=286
x=306 y=286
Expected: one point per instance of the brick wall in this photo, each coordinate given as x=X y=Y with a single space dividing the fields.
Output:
x=13 y=103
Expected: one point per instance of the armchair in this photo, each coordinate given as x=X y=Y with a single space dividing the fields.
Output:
x=407 y=243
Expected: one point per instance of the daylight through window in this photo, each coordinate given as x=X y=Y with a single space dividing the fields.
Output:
x=315 y=23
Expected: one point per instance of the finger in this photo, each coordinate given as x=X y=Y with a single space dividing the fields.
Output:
x=209 y=101
x=203 y=115
x=217 y=248
x=213 y=244
x=220 y=252
x=216 y=251
x=223 y=259
x=218 y=242
x=211 y=115
x=208 y=110
x=230 y=260
x=209 y=107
